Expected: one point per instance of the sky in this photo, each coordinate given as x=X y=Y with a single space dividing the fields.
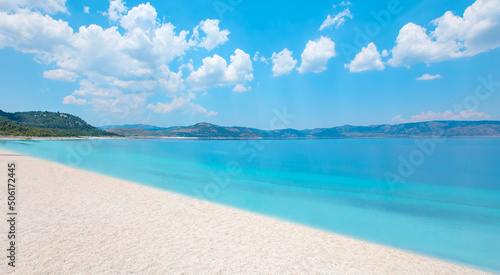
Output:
x=305 y=64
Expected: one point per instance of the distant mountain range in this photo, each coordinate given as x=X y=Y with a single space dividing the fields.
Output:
x=51 y=124
x=137 y=126
x=46 y=124
x=418 y=129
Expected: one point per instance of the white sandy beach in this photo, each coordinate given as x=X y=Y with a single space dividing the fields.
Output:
x=74 y=221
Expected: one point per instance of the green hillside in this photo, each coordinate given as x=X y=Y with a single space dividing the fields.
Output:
x=46 y=124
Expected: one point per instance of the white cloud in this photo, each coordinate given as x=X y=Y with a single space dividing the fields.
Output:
x=72 y=100
x=134 y=86
x=454 y=36
x=283 y=62
x=118 y=66
x=175 y=105
x=413 y=45
x=172 y=81
x=122 y=106
x=428 y=77
x=167 y=45
x=196 y=108
x=240 y=88
x=180 y=105
x=106 y=52
x=398 y=119
x=477 y=29
x=214 y=36
x=448 y=115
x=368 y=59
x=139 y=52
x=142 y=17
x=45 y=6
x=258 y=57
x=316 y=55
x=33 y=32
x=337 y=20
x=97 y=87
x=60 y=74
x=215 y=72
x=188 y=66
x=116 y=10
x=86 y=9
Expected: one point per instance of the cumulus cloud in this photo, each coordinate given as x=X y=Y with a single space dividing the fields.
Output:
x=117 y=67
x=123 y=106
x=166 y=44
x=60 y=74
x=86 y=9
x=258 y=57
x=214 y=36
x=368 y=59
x=413 y=45
x=240 y=88
x=453 y=37
x=106 y=52
x=283 y=62
x=45 y=6
x=338 y=19
x=180 y=105
x=143 y=17
x=316 y=55
x=448 y=115
x=171 y=81
x=98 y=87
x=32 y=32
x=116 y=10
x=398 y=119
x=73 y=100
x=175 y=105
x=215 y=72
x=428 y=77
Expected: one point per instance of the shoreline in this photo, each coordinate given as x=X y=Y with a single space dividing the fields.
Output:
x=73 y=221
x=7 y=138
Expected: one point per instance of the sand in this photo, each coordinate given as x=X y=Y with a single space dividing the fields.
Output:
x=73 y=221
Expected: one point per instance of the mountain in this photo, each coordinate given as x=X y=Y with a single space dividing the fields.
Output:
x=200 y=130
x=417 y=129
x=51 y=124
x=134 y=126
x=46 y=124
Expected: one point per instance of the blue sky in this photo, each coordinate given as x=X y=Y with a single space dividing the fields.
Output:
x=239 y=62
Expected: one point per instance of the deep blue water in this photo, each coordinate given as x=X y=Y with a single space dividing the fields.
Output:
x=440 y=198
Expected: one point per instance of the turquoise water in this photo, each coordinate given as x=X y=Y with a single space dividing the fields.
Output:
x=439 y=198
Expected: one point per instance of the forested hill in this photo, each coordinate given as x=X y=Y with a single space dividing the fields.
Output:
x=46 y=124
